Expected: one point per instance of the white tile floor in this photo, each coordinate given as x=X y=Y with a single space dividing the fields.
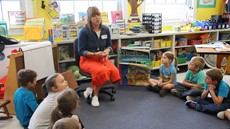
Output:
x=10 y=124
x=14 y=123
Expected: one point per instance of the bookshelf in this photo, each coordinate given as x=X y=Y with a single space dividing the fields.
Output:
x=147 y=42
x=66 y=53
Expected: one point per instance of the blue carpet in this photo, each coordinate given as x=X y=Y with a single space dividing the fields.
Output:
x=137 y=108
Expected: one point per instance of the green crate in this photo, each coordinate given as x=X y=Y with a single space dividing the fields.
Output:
x=181 y=59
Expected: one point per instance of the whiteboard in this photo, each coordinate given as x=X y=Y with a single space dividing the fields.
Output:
x=39 y=57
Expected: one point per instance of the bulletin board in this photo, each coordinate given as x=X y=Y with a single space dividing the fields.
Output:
x=206 y=3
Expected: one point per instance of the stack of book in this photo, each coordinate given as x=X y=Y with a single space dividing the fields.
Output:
x=121 y=25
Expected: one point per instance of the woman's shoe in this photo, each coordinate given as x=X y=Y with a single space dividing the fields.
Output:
x=88 y=92
x=95 y=101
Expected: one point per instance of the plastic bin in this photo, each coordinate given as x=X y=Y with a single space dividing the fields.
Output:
x=3 y=29
x=156 y=43
x=156 y=63
x=163 y=43
x=194 y=41
x=181 y=41
x=168 y=43
x=181 y=59
x=189 y=56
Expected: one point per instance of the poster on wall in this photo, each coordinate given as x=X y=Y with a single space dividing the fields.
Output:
x=206 y=3
x=82 y=16
x=17 y=19
x=116 y=15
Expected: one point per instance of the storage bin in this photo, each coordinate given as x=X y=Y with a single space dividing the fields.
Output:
x=156 y=44
x=181 y=41
x=168 y=43
x=181 y=59
x=3 y=29
x=205 y=41
x=156 y=63
x=224 y=36
x=194 y=41
x=163 y=44
x=189 y=56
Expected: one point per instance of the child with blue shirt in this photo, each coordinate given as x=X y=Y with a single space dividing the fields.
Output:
x=24 y=100
x=168 y=73
x=215 y=97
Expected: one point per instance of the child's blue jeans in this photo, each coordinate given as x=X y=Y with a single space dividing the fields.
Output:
x=207 y=105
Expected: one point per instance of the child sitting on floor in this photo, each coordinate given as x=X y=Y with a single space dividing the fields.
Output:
x=168 y=73
x=215 y=97
x=54 y=85
x=68 y=102
x=194 y=81
x=24 y=100
x=66 y=123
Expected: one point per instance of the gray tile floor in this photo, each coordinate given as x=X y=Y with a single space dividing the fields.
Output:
x=14 y=123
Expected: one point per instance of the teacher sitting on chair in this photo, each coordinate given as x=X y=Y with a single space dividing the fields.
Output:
x=94 y=46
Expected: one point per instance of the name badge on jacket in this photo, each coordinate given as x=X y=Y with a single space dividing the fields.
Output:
x=104 y=36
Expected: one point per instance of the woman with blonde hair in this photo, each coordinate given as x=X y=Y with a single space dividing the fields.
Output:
x=94 y=46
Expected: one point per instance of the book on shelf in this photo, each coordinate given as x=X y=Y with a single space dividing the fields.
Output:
x=133 y=56
x=135 y=52
x=137 y=60
x=63 y=52
x=121 y=25
x=134 y=74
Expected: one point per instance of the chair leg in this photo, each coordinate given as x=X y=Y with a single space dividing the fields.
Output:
x=6 y=112
x=79 y=92
x=113 y=90
x=108 y=93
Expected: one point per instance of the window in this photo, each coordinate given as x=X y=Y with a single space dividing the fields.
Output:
x=76 y=6
x=15 y=5
x=172 y=10
x=8 y=5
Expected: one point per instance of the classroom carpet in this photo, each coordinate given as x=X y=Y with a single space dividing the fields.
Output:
x=137 y=108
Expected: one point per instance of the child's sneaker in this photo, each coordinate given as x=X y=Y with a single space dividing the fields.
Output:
x=190 y=98
x=156 y=89
x=149 y=88
x=220 y=115
x=153 y=88
x=88 y=92
x=162 y=93
x=191 y=104
x=175 y=92
x=95 y=101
